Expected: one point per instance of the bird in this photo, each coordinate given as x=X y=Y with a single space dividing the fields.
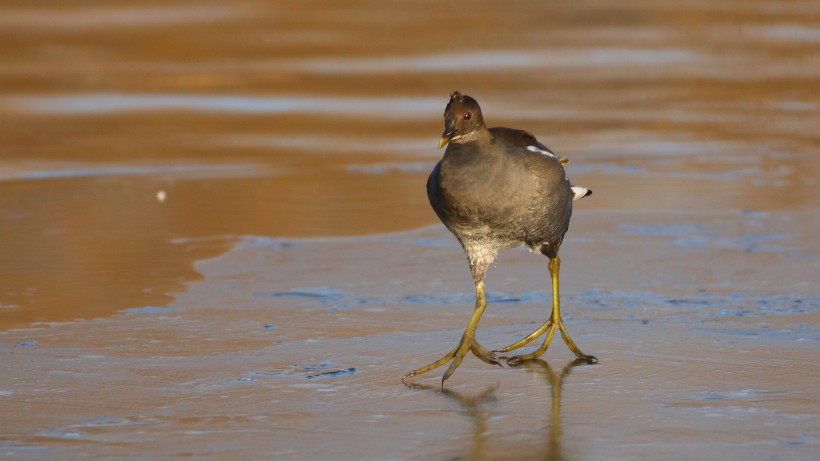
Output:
x=498 y=188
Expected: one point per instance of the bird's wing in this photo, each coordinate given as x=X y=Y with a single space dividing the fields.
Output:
x=525 y=140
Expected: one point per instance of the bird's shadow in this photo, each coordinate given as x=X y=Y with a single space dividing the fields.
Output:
x=474 y=407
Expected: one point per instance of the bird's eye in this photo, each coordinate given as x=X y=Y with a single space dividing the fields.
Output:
x=468 y=116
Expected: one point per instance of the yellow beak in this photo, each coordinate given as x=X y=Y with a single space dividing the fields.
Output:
x=443 y=141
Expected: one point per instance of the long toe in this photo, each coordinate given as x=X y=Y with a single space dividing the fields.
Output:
x=484 y=354
x=527 y=339
x=461 y=352
x=447 y=357
x=516 y=360
x=455 y=357
x=575 y=350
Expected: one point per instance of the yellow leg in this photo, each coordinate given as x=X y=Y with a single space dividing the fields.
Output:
x=550 y=326
x=468 y=343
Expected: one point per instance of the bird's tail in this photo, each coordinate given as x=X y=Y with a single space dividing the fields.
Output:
x=579 y=192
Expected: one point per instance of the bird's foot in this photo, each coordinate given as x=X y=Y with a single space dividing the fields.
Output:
x=550 y=327
x=527 y=339
x=455 y=357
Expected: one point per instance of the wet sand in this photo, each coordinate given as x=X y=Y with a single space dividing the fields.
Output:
x=215 y=242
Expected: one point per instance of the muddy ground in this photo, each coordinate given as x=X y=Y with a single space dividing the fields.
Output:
x=215 y=241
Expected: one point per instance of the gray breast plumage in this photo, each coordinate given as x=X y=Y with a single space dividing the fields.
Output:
x=502 y=195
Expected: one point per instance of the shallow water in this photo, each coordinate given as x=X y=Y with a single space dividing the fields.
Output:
x=214 y=239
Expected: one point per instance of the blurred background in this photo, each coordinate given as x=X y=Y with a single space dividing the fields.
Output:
x=139 y=137
x=215 y=241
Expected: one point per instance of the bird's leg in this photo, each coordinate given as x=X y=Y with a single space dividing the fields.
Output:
x=468 y=343
x=550 y=326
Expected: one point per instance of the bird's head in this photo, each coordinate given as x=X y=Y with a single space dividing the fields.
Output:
x=462 y=120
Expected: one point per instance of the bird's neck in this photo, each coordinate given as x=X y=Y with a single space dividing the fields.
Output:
x=480 y=135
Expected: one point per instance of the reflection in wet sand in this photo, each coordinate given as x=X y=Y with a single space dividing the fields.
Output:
x=554 y=449
x=473 y=407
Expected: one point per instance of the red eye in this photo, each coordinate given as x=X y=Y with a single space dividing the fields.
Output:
x=468 y=116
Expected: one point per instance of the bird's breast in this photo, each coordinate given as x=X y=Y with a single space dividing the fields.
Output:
x=501 y=196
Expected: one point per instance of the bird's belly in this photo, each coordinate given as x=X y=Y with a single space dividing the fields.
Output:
x=498 y=211
x=487 y=235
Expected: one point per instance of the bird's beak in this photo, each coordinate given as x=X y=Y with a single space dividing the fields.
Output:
x=445 y=138
x=449 y=131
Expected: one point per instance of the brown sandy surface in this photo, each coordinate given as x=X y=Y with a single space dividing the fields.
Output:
x=215 y=243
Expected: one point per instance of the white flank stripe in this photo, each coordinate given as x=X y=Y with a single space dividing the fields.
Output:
x=579 y=192
x=540 y=151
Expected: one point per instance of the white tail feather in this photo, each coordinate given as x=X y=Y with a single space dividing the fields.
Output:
x=579 y=192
